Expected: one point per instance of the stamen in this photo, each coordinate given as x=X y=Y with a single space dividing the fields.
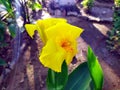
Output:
x=67 y=45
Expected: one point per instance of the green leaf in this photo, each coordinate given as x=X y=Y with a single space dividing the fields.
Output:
x=2 y=31
x=2 y=62
x=57 y=81
x=8 y=6
x=37 y=6
x=79 y=79
x=95 y=69
x=12 y=29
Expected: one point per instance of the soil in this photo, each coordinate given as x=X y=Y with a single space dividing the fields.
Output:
x=29 y=74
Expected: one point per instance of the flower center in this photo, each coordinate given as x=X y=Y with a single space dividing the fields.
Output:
x=66 y=45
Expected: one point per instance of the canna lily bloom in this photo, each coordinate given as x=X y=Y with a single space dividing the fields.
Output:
x=59 y=39
x=42 y=25
x=61 y=45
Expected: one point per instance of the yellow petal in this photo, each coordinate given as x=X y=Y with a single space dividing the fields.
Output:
x=63 y=29
x=52 y=56
x=46 y=23
x=42 y=34
x=69 y=58
x=30 y=28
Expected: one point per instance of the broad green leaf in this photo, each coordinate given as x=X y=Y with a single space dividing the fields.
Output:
x=2 y=62
x=95 y=69
x=79 y=79
x=57 y=81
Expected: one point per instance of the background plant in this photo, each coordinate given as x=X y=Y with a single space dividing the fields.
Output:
x=117 y=3
x=7 y=17
x=87 y=3
x=34 y=5
x=7 y=24
x=2 y=42
x=114 y=34
x=6 y=7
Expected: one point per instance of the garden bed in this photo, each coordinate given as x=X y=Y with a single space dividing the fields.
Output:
x=29 y=74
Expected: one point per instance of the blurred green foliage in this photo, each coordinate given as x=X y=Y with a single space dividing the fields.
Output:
x=2 y=34
x=117 y=3
x=34 y=5
x=87 y=3
x=7 y=24
x=2 y=62
x=7 y=6
x=2 y=41
x=114 y=34
x=7 y=20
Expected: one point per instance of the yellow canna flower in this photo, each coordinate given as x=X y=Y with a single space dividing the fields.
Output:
x=61 y=45
x=59 y=39
x=42 y=25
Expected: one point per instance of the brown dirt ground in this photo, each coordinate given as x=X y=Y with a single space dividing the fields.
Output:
x=29 y=74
